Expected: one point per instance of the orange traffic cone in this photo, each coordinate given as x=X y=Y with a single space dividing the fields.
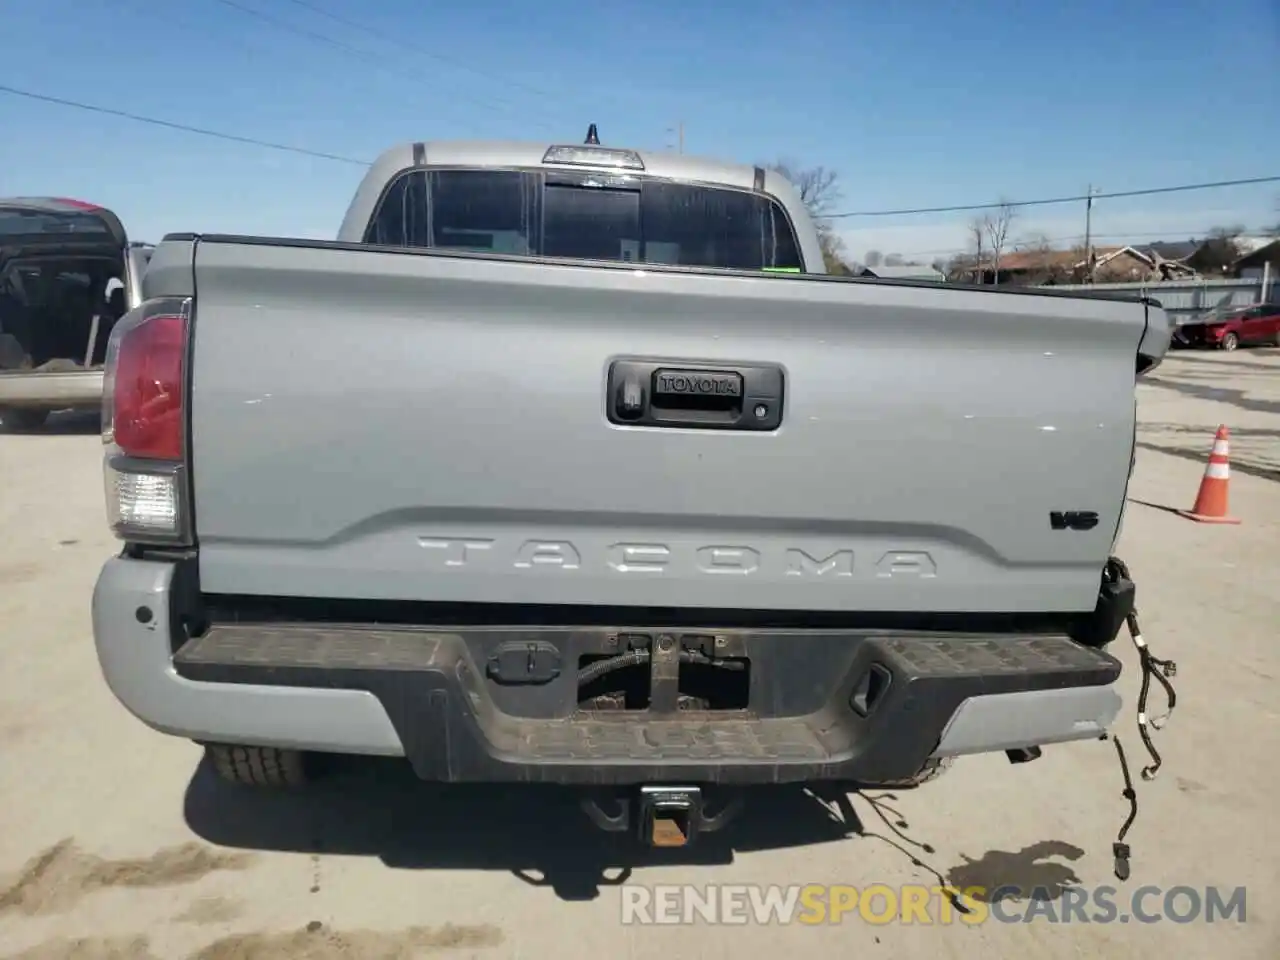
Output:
x=1211 y=501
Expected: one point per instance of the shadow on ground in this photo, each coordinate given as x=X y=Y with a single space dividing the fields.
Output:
x=1026 y=874
x=1206 y=391
x=373 y=807
x=1253 y=449
x=1241 y=361
x=69 y=423
x=377 y=808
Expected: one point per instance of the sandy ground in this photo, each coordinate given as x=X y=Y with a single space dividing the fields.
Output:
x=117 y=843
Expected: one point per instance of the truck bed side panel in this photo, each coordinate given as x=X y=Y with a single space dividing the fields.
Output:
x=373 y=424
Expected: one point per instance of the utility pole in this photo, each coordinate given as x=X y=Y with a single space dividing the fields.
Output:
x=1088 y=233
x=678 y=130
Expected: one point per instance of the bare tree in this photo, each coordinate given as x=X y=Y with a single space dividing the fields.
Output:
x=819 y=190
x=873 y=258
x=963 y=268
x=995 y=227
x=977 y=241
x=895 y=260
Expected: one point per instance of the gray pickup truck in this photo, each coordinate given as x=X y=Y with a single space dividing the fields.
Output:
x=568 y=465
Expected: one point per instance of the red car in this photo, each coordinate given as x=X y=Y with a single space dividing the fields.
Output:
x=1258 y=324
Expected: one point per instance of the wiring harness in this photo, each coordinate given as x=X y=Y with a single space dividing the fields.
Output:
x=1151 y=667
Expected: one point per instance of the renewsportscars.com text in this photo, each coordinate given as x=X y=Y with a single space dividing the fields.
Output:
x=881 y=904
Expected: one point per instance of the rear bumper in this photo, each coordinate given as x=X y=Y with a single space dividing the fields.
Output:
x=422 y=694
x=137 y=663
x=51 y=391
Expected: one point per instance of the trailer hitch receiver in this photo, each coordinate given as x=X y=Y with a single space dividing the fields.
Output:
x=669 y=816
x=661 y=816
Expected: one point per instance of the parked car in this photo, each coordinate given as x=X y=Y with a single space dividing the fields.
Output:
x=1237 y=327
x=567 y=465
x=67 y=274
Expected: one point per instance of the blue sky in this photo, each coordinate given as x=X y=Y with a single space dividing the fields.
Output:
x=914 y=104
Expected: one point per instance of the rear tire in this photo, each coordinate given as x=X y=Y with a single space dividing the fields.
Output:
x=23 y=419
x=258 y=766
x=933 y=769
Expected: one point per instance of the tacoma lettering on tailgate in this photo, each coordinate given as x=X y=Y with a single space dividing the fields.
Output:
x=655 y=559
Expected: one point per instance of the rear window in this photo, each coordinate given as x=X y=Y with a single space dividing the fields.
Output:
x=634 y=220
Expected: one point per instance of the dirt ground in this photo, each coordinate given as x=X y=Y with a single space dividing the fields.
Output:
x=117 y=842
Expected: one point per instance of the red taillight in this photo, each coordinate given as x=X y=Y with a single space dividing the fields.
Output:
x=147 y=389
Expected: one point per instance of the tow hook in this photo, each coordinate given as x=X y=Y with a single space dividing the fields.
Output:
x=662 y=816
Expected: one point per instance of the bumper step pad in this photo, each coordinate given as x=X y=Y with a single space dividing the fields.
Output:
x=453 y=730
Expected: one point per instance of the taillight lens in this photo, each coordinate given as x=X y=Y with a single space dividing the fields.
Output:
x=141 y=506
x=144 y=398
x=144 y=424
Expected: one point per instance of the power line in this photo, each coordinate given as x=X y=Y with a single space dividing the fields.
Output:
x=322 y=155
x=347 y=48
x=185 y=128
x=300 y=31
x=165 y=13
x=961 y=208
x=595 y=96
x=417 y=48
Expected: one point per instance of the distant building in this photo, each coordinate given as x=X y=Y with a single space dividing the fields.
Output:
x=1035 y=268
x=1217 y=257
x=1262 y=264
x=1248 y=246
x=908 y=271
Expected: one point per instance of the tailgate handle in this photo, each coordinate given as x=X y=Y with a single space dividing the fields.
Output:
x=709 y=396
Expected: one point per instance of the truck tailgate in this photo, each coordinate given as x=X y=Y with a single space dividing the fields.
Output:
x=402 y=425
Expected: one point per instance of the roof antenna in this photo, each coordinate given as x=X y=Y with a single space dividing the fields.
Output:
x=593 y=136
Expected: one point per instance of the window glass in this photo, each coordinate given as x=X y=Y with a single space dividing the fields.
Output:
x=591 y=223
x=655 y=221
